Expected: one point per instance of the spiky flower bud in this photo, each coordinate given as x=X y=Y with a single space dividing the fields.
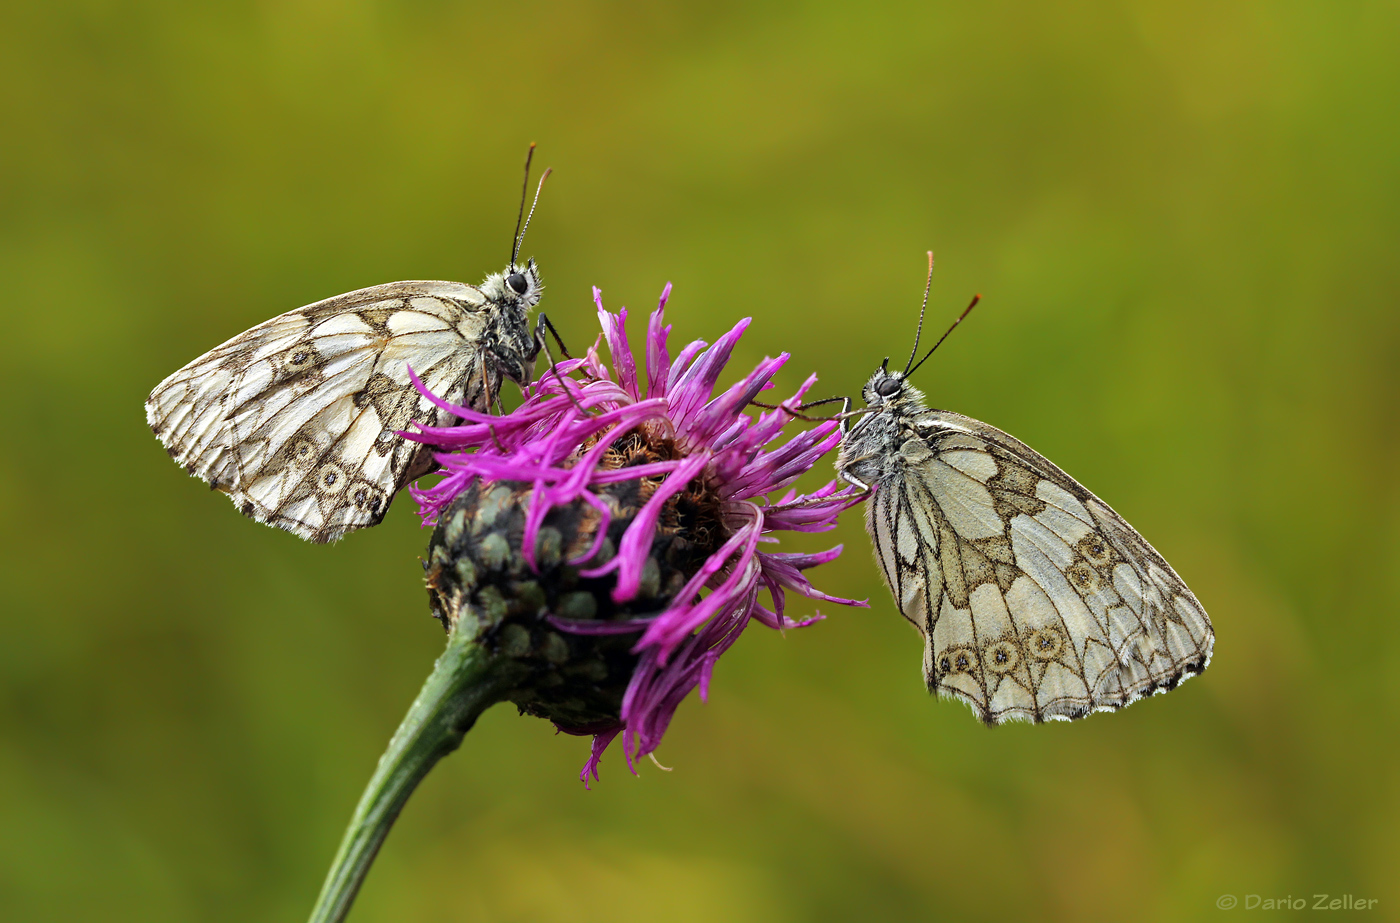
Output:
x=480 y=583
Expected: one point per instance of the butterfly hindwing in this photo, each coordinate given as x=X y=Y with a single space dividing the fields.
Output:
x=295 y=419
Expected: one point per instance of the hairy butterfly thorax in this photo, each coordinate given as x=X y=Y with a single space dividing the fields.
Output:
x=509 y=341
x=298 y=418
x=1035 y=599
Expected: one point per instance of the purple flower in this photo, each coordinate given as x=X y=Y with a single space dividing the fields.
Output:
x=562 y=448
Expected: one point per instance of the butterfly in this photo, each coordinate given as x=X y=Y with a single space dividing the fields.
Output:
x=297 y=419
x=1035 y=600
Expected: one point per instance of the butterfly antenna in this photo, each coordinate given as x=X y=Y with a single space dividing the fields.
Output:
x=919 y=332
x=966 y=311
x=521 y=236
x=524 y=192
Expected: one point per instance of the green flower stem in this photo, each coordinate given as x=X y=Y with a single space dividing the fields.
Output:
x=466 y=680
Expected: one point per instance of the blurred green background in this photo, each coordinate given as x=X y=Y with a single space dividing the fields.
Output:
x=1183 y=217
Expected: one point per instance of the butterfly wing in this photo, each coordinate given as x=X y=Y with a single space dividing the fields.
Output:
x=295 y=419
x=1036 y=600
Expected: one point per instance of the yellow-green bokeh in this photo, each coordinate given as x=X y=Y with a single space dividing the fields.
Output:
x=1183 y=217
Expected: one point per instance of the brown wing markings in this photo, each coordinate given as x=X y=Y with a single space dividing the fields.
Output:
x=1110 y=543
x=407 y=462
x=904 y=525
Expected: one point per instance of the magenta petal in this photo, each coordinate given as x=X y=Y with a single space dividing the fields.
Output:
x=658 y=360
x=695 y=384
x=600 y=743
x=556 y=441
x=615 y=331
x=682 y=363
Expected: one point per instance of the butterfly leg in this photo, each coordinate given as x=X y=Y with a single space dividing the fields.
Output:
x=491 y=428
x=846 y=418
x=855 y=482
x=847 y=415
x=543 y=344
x=800 y=407
x=813 y=501
x=844 y=472
x=486 y=395
x=542 y=324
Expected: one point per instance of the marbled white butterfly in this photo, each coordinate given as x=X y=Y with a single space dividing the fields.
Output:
x=1036 y=601
x=297 y=419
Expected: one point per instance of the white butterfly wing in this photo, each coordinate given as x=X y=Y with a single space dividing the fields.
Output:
x=1036 y=600
x=295 y=419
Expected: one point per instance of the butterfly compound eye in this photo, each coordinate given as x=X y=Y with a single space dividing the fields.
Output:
x=517 y=283
x=888 y=387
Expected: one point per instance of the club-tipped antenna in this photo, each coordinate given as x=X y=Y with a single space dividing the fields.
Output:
x=524 y=192
x=520 y=230
x=966 y=311
x=919 y=331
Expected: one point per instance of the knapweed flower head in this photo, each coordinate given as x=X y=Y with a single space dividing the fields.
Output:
x=634 y=504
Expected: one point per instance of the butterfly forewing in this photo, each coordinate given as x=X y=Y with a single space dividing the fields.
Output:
x=1035 y=599
x=296 y=419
